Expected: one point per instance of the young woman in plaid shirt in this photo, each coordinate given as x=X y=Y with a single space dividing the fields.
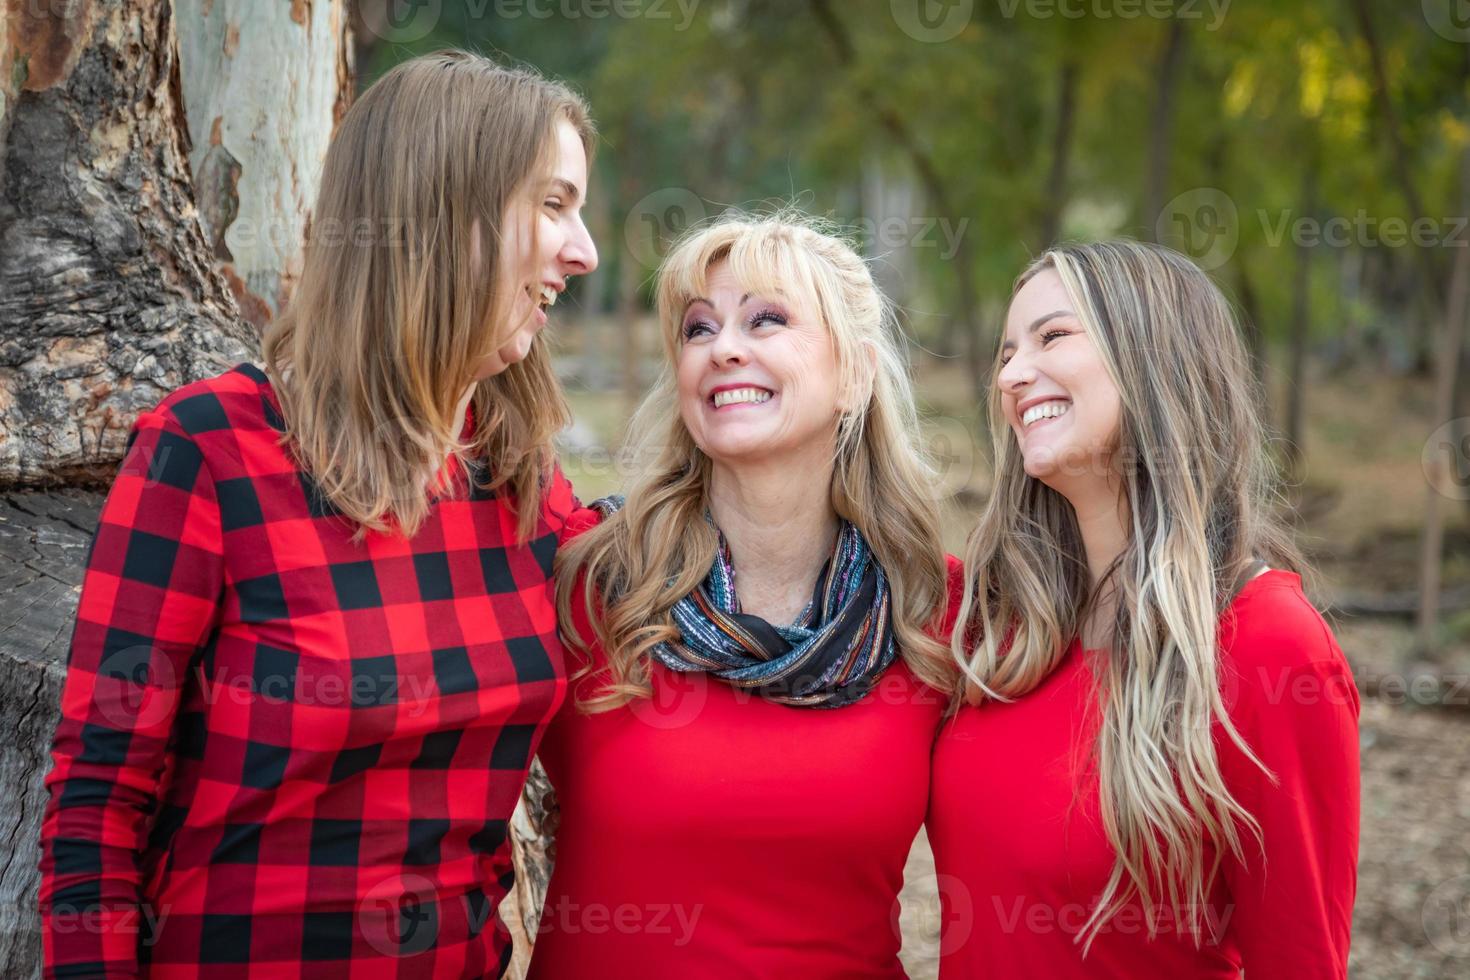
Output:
x=316 y=648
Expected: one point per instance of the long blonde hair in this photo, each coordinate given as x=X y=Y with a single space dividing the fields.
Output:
x=659 y=547
x=398 y=302
x=1199 y=487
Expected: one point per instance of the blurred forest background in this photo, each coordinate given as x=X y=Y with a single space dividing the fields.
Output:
x=1313 y=156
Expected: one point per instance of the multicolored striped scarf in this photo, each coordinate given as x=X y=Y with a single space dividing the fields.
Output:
x=829 y=658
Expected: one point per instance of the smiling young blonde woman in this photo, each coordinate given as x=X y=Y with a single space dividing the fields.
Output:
x=744 y=762
x=316 y=644
x=1156 y=775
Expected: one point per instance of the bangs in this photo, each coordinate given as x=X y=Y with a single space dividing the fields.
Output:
x=764 y=257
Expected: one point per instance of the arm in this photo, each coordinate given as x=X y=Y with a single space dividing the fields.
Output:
x=1296 y=704
x=149 y=600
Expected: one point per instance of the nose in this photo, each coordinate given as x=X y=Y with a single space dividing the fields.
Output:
x=729 y=347
x=578 y=254
x=1016 y=374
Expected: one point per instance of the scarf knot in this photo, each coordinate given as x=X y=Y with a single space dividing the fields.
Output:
x=829 y=658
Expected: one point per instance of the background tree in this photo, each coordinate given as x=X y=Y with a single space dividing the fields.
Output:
x=157 y=161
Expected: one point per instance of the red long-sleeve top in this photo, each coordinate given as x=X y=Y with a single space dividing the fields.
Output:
x=1021 y=868
x=708 y=833
x=282 y=753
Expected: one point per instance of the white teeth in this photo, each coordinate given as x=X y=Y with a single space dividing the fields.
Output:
x=548 y=296
x=734 y=395
x=1046 y=410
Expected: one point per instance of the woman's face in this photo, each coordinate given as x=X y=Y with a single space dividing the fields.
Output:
x=544 y=244
x=757 y=375
x=1056 y=392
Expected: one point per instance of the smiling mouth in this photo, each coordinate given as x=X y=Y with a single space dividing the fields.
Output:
x=544 y=297
x=1044 y=412
x=741 y=396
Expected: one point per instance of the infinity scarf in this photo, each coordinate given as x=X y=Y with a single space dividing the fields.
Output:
x=829 y=658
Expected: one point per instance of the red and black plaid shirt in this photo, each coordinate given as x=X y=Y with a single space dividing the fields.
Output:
x=281 y=753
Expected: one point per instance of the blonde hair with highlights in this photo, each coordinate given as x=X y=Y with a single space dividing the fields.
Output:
x=398 y=302
x=657 y=549
x=1201 y=500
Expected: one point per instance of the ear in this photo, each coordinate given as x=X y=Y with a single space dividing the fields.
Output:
x=856 y=395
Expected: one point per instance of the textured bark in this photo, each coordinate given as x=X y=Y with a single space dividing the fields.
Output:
x=533 y=848
x=43 y=544
x=115 y=289
x=108 y=298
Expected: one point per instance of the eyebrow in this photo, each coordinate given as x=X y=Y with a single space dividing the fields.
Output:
x=567 y=187
x=1036 y=325
x=700 y=299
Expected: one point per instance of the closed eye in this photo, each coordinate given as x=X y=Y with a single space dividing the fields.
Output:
x=1048 y=335
x=695 y=327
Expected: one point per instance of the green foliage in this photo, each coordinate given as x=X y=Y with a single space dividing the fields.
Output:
x=751 y=101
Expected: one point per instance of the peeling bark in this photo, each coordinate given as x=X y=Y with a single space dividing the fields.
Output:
x=253 y=176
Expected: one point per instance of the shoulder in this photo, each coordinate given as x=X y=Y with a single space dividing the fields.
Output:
x=1273 y=622
x=579 y=522
x=236 y=399
x=955 y=594
x=1276 y=648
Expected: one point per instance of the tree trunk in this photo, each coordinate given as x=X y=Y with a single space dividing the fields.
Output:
x=112 y=295
x=1301 y=326
x=1452 y=342
x=533 y=848
x=1161 y=127
x=248 y=168
x=977 y=357
x=107 y=294
x=1061 y=154
x=43 y=546
x=1428 y=270
x=1255 y=334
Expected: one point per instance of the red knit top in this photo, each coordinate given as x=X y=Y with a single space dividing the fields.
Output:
x=708 y=832
x=1021 y=868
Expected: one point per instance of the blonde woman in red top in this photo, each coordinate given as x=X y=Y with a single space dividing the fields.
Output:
x=743 y=762
x=1156 y=770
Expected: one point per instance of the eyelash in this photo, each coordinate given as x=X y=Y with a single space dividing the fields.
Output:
x=1045 y=339
x=556 y=206
x=754 y=321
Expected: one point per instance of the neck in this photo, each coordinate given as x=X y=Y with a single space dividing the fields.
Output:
x=432 y=480
x=1102 y=519
x=462 y=407
x=780 y=525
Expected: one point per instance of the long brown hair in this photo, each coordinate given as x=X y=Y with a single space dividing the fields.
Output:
x=659 y=547
x=1202 y=499
x=398 y=302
